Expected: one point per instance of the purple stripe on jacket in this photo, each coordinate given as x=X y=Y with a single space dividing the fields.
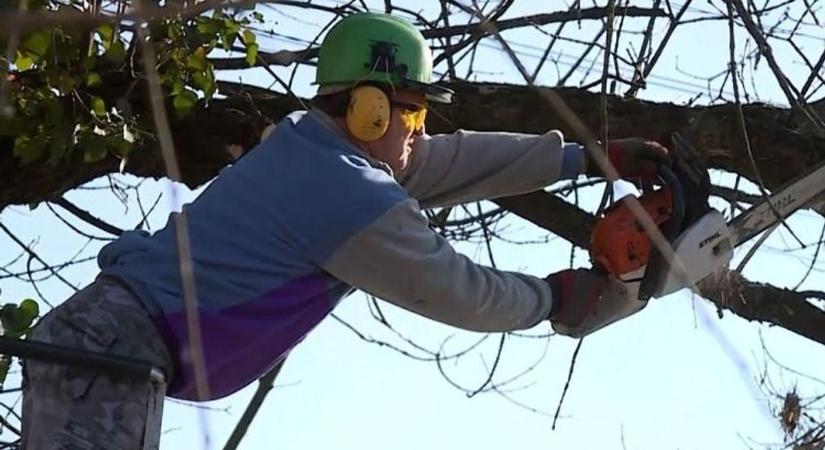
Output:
x=242 y=342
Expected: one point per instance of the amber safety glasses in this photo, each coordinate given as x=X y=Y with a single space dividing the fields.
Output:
x=412 y=114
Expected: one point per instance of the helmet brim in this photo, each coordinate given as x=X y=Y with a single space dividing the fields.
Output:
x=433 y=92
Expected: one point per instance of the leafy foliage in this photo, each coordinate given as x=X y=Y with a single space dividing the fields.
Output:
x=62 y=81
x=16 y=321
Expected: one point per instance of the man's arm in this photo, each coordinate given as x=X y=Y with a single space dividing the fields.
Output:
x=399 y=259
x=466 y=166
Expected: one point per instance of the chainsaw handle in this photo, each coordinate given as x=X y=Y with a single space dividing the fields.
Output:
x=677 y=193
x=658 y=266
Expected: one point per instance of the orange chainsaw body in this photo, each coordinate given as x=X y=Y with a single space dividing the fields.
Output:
x=618 y=243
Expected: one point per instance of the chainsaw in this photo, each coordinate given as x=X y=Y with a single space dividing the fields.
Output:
x=701 y=240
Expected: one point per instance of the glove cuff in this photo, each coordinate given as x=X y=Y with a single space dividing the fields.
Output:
x=555 y=288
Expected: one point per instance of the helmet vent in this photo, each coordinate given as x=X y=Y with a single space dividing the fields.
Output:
x=383 y=57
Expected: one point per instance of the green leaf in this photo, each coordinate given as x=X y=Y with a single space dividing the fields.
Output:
x=5 y=364
x=251 y=54
x=38 y=42
x=28 y=149
x=8 y=317
x=93 y=79
x=120 y=144
x=17 y=319
x=13 y=126
x=98 y=106
x=177 y=86
x=23 y=61
x=258 y=16
x=65 y=81
x=29 y=310
x=116 y=53
x=248 y=37
x=60 y=140
x=185 y=101
x=231 y=26
x=207 y=26
x=106 y=32
x=197 y=60
x=228 y=40
x=94 y=148
x=174 y=30
x=205 y=81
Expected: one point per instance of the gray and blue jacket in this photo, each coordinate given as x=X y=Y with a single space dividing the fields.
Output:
x=279 y=237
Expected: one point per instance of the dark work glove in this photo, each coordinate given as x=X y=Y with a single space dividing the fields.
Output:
x=635 y=159
x=575 y=293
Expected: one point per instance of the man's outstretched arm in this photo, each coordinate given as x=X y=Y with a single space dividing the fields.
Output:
x=398 y=258
x=466 y=166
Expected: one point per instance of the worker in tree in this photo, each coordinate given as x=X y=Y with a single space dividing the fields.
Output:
x=329 y=202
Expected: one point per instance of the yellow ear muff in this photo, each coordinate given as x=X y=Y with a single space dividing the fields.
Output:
x=368 y=114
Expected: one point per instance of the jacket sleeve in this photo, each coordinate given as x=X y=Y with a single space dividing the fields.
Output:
x=399 y=259
x=466 y=166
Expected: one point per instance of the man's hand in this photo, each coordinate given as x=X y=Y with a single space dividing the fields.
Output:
x=575 y=294
x=635 y=159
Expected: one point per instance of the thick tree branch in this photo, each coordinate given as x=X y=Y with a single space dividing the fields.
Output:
x=780 y=150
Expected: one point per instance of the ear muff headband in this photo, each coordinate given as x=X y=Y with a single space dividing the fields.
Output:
x=368 y=113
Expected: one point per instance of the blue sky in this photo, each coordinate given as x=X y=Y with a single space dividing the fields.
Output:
x=673 y=376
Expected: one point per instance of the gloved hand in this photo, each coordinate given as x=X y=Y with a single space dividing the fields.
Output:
x=633 y=158
x=575 y=294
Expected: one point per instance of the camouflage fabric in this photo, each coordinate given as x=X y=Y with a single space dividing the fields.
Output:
x=75 y=408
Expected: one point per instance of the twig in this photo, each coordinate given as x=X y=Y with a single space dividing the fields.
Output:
x=649 y=66
x=34 y=255
x=815 y=258
x=264 y=386
x=74 y=228
x=765 y=50
x=85 y=216
x=567 y=384
x=746 y=139
x=492 y=369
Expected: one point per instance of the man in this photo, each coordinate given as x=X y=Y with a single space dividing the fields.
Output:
x=330 y=201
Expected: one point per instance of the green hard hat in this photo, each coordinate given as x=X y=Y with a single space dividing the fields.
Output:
x=380 y=48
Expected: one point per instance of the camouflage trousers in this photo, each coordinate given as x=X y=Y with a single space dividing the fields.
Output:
x=70 y=407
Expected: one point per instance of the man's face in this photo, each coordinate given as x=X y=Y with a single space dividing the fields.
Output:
x=395 y=147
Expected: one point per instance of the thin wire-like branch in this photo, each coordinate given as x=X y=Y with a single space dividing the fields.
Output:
x=86 y=216
x=815 y=74
x=567 y=383
x=746 y=139
x=638 y=77
x=74 y=228
x=492 y=370
x=265 y=384
x=765 y=50
x=34 y=256
x=434 y=356
x=634 y=89
x=814 y=260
